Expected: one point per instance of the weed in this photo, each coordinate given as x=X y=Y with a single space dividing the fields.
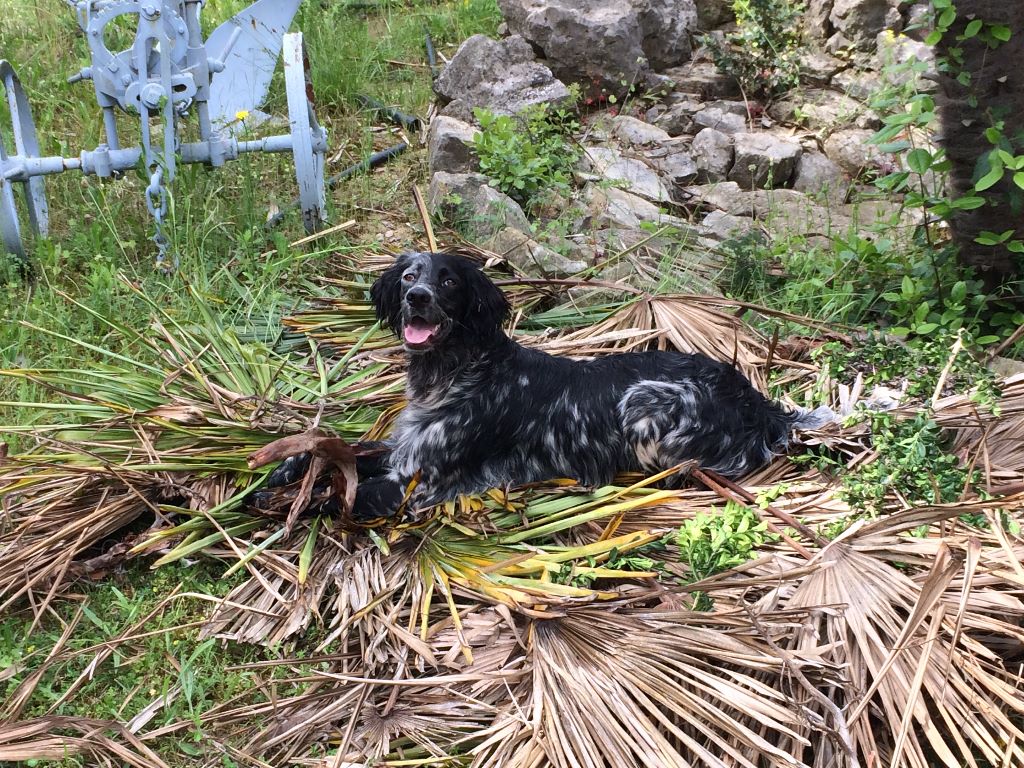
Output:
x=530 y=154
x=166 y=662
x=913 y=461
x=710 y=544
x=915 y=368
x=762 y=54
x=634 y=560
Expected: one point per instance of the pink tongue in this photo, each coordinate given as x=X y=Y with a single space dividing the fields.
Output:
x=417 y=334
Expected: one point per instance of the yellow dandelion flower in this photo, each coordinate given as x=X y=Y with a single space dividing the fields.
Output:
x=241 y=114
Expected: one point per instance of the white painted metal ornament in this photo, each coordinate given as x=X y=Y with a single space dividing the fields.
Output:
x=167 y=75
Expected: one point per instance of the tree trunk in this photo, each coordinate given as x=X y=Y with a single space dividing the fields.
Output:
x=997 y=84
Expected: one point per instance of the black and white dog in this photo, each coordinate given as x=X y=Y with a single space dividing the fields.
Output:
x=485 y=412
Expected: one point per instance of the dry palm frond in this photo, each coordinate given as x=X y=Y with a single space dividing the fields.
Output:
x=164 y=436
x=63 y=515
x=994 y=442
x=917 y=685
x=374 y=593
x=102 y=742
x=640 y=688
x=506 y=630
x=677 y=322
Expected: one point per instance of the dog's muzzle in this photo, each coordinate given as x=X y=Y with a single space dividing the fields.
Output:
x=423 y=319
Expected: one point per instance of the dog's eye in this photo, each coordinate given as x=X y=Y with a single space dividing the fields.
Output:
x=449 y=282
x=409 y=277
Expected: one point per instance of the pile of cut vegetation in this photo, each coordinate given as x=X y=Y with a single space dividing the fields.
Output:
x=854 y=604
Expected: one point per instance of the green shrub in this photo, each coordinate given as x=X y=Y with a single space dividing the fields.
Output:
x=913 y=461
x=530 y=154
x=763 y=52
x=710 y=544
x=914 y=368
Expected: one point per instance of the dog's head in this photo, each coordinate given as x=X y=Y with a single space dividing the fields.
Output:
x=434 y=299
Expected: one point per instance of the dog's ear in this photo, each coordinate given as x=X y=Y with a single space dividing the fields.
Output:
x=386 y=293
x=486 y=306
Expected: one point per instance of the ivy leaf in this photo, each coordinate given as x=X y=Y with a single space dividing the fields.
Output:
x=991 y=238
x=973 y=29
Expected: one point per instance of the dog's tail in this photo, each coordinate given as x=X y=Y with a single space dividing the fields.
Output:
x=804 y=418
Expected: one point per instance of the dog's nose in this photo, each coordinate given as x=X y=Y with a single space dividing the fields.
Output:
x=418 y=297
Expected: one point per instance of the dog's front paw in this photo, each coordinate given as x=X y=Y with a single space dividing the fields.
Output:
x=378 y=497
x=289 y=471
x=372 y=458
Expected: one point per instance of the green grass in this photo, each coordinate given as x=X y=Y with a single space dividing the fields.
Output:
x=162 y=660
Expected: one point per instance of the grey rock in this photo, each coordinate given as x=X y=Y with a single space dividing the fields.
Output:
x=720 y=120
x=816 y=21
x=818 y=67
x=872 y=213
x=458 y=110
x=823 y=109
x=502 y=76
x=762 y=160
x=657 y=85
x=858 y=84
x=713 y=153
x=530 y=256
x=729 y=106
x=783 y=213
x=674 y=162
x=719 y=225
x=677 y=118
x=900 y=49
x=450 y=146
x=786 y=214
x=601 y=43
x=635 y=176
x=917 y=21
x=725 y=196
x=467 y=201
x=816 y=175
x=637 y=132
x=619 y=209
x=849 y=149
x=894 y=16
x=713 y=13
x=703 y=79
x=859 y=21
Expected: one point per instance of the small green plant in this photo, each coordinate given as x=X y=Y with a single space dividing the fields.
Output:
x=763 y=51
x=710 y=544
x=530 y=154
x=920 y=170
x=914 y=290
x=913 y=462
